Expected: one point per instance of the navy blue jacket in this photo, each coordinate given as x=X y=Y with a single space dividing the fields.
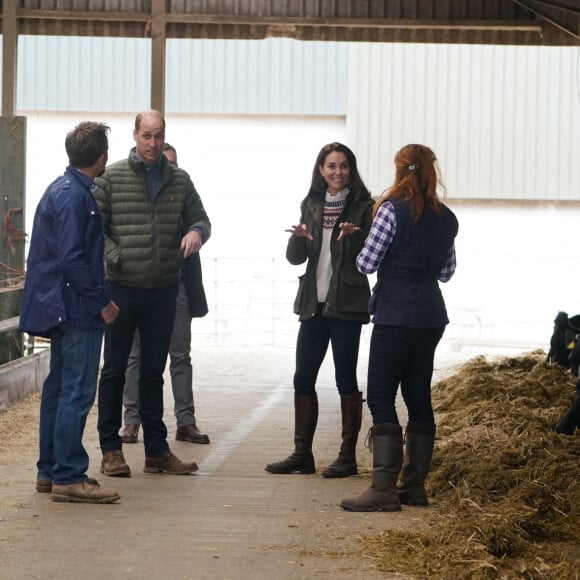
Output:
x=65 y=268
x=407 y=291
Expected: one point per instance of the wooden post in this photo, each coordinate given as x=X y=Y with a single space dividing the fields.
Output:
x=158 y=42
x=12 y=211
x=9 y=57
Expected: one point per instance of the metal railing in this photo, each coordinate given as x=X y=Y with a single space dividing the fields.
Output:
x=250 y=304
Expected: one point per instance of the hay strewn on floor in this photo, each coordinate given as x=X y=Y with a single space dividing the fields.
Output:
x=505 y=487
x=19 y=427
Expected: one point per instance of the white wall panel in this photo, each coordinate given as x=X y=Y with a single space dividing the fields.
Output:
x=57 y=73
x=273 y=76
x=504 y=121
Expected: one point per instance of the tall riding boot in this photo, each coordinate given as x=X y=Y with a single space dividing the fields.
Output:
x=345 y=464
x=419 y=442
x=382 y=495
x=305 y=419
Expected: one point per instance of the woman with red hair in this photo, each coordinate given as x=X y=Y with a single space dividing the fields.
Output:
x=411 y=247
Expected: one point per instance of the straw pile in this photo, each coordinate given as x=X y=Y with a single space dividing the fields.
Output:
x=505 y=487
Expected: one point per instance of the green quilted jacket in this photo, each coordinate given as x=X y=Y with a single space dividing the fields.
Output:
x=349 y=292
x=142 y=237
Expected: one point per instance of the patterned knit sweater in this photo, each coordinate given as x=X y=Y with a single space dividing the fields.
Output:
x=333 y=206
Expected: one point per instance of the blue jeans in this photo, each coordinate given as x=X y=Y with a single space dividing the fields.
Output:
x=152 y=312
x=401 y=355
x=314 y=337
x=67 y=397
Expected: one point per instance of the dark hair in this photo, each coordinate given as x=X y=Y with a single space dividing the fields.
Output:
x=150 y=112
x=168 y=147
x=86 y=143
x=416 y=179
x=356 y=183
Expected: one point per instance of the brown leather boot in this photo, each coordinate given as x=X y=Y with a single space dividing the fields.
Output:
x=167 y=462
x=114 y=465
x=85 y=492
x=305 y=420
x=345 y=464
x=43 y=485
x=419 y=442
x=129 y=433
x=382 y=495
x=192 y=434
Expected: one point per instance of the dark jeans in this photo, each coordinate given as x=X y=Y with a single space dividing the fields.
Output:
x=401 y=355
x=68 y=394
x=180 y=368
x=313 y=338
x=152 y=311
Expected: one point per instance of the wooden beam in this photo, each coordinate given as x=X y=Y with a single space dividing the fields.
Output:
x=9 y=57
x=368 y=23
x=103 y=16
x=226 y=19
x=158 y=47
x=565 y=18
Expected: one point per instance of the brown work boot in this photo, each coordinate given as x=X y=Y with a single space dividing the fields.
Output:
x=129 y=433
x=85 y=492
x=113 y=464
x=168 y=463
x=43 y=485
x=192 y=434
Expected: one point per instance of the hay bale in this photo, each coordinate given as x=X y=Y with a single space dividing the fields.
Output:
x=506 y=486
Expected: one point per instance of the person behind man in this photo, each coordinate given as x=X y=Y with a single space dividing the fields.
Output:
x=191 y=303
x=146 y=205
x=65 y=299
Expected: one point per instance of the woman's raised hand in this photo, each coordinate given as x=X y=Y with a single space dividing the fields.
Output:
x=346 y=229
x=300 y=231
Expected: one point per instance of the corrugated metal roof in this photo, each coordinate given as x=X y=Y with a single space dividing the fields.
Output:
x=432 y=21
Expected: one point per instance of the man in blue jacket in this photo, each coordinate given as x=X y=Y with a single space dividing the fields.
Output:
x=65 y=299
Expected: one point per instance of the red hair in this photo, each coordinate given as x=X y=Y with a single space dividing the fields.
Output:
x=416 y=180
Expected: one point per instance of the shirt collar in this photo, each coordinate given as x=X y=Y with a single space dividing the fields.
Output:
x=86 y=181
x=341 y=195
x=156 y=164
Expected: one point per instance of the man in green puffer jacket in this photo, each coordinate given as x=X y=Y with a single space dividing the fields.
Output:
x=153 y=219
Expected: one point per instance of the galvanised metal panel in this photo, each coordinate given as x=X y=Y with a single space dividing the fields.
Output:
x=504 y=121
x=274 y=76
x=71 y=73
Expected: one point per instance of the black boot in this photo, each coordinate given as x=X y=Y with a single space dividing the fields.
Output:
x=382 y=495
x=305 y=419
x=345 y=464
x=419 y=442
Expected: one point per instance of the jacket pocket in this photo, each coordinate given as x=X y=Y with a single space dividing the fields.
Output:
x=299 y=302
x=353 y=295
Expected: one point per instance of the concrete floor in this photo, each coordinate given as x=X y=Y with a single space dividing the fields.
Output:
x=231 y=520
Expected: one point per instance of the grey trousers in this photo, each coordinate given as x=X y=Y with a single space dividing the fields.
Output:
x=179 y=367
